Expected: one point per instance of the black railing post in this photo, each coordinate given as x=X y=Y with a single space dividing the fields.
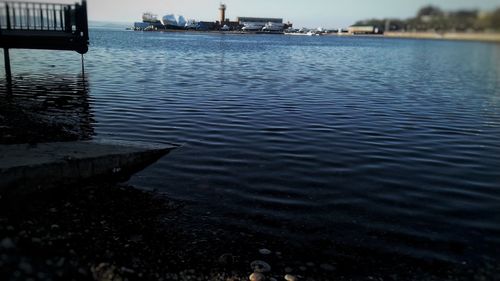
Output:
x=28 y=22
x=20 y=24
x=67 y=19
x=55 y=16
x=41 y=17
x=14 y=16
x=61 y=17
x=9 y=27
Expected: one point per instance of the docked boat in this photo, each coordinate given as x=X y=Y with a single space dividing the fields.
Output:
x=172 y=21
x=274 y=27
x=150 y=21
x=252 y=26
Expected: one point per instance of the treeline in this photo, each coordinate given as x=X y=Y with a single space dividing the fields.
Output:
x=431 y=18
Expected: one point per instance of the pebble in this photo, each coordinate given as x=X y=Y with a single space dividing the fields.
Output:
x=290 y=277
x=288 y=269
x=303 y=268
x=265 y=251
x=226 y=259
x=327 y=267
x=26 y=267
x=36 y=240
x=127 y=270
x=257 y=276
x=60 y=262
x=260 y=266
x=105 y=272
x=7 y=243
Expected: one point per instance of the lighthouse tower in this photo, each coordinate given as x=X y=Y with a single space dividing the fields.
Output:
x=222 y=10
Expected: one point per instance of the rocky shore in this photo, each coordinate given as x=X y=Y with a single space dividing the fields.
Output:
x=117 y=232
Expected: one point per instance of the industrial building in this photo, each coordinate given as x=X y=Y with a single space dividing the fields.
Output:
x=368 y=29
x=243 y=20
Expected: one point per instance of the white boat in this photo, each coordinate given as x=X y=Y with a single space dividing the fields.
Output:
x=252 y=26
x=272 y=26
x=309 y=33
x=173 y=21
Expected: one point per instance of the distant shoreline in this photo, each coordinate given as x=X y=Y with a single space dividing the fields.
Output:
x=457 y=36
x=493 y=37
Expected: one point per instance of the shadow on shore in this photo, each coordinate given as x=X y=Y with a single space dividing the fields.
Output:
x=44 y=108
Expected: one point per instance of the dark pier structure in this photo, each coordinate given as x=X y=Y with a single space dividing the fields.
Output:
x=33 y=25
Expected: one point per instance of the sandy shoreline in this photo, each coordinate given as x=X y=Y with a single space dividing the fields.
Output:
x=456 y=36
x=483 y=37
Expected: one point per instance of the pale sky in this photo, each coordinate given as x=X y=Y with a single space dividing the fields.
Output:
x=305 y=13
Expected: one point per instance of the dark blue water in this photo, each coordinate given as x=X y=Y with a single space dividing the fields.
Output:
x=387 y=145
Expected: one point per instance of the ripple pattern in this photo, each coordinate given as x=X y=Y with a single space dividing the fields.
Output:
x=390 y=145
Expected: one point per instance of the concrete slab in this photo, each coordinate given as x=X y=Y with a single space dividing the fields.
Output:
x=27 y=166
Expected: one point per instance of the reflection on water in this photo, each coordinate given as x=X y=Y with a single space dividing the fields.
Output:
x=42 y=108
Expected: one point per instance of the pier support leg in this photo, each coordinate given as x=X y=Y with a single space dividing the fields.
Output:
x=8 y=73
x=83 y=67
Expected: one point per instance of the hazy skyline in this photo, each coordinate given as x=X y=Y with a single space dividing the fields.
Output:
x=312 y=13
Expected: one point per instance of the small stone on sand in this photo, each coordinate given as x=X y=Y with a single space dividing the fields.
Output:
x=265 y=251
x=226 y=259
x=7 y=243
x=260 y=266
x=327 y=267
x=257 y=276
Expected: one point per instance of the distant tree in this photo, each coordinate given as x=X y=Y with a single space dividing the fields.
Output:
x=431 y=18
x=430 y=11
x=463 y=20
x=495 y=19
x=395 y=25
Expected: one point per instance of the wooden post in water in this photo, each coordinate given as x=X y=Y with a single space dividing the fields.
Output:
x=8 y=73
x=83 y=66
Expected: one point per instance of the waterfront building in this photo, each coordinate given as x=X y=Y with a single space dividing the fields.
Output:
x=365 y=29
x=253 y=20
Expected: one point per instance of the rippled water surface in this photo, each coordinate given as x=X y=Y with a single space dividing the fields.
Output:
x=387 y=145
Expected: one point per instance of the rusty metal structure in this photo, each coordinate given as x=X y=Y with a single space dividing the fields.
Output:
x=49 y=26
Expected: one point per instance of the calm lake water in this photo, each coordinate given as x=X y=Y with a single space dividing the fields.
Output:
x=391 y=146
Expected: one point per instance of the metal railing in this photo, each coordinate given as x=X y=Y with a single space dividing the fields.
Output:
x=44 y=17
